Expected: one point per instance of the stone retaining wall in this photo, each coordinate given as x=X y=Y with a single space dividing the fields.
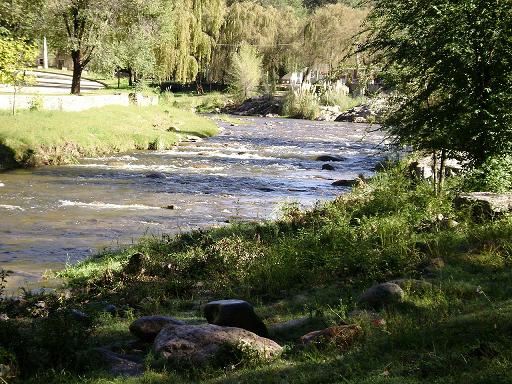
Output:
x=70 y=103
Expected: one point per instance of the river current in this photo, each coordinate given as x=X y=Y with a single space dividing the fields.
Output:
x=53 y=216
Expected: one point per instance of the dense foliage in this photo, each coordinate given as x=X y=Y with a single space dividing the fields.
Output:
x=186 y=41
x=450 y=63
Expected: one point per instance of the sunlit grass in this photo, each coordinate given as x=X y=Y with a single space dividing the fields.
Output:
x=54 y=137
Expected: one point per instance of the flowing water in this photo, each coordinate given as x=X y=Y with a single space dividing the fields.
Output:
x=52 y=216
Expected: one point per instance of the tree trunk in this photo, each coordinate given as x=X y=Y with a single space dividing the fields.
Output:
x=442 y=170
x=14 y=101
x=434 y=170
x=77 y=72
x=130 y=77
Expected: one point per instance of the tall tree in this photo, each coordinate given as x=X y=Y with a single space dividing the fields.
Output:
x=329 y=34
x=78 y=26
x=22 y=18
x=189 y=31
x=450 y=62
x=131 y=44
x=273 y=31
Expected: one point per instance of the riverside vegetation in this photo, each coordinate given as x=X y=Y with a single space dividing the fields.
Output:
x=315 y=264
x=33 y=138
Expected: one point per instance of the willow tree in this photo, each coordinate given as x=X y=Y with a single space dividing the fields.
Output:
x=272 y=31
x=329 y=34
x=189 y=30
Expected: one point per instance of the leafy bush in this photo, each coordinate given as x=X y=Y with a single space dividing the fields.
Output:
x=494 y=175
x=302 y=104
x=245 y=72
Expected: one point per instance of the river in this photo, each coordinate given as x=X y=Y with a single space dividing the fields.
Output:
x=53 y=216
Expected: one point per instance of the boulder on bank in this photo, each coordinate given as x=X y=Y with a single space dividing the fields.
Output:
x=341 y=335
x=485 y=203
x=344 y=183
x=329 y=113
x=235 y=313
x=381 y=295
x=119 y=365
x=258 y=106
x=359 y=114
x=147 y=328
x=198 y=344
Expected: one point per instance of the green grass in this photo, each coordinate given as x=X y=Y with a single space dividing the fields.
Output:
x=316 y=263
x=50 y=137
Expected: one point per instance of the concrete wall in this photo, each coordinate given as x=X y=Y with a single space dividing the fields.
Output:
x=75 y=103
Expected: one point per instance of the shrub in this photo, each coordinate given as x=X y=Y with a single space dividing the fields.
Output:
x=302 y=104
x=245 y=73
x=494 y=175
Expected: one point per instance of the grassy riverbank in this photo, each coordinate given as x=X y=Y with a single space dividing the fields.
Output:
x=32 y=138
x=315 y=264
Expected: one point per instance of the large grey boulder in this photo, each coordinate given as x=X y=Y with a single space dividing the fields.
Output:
x=199 y=344
x=234 y=313
x=147 y=327
x=381 y=295
x=486 y=203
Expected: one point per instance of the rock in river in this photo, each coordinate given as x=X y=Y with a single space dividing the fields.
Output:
x=329 y=158
x=198 y=344
x=235 y=313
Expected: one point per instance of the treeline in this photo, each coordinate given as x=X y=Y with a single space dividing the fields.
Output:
x=187 y=41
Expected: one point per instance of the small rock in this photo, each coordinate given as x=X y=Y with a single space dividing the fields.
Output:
x=110 y=308
x=80 y=316
x=156 y=175
x=341 y=335
x=4 y=317
x=198 y=344
x=328 y=167
x=119 y=365
x=135 y=265
x=344 y=183
x=235 y=313
x=266 y=189
x=147 y=327
x=382 y=294
x=449 y=223
x=171 y=207
x=329 y=158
